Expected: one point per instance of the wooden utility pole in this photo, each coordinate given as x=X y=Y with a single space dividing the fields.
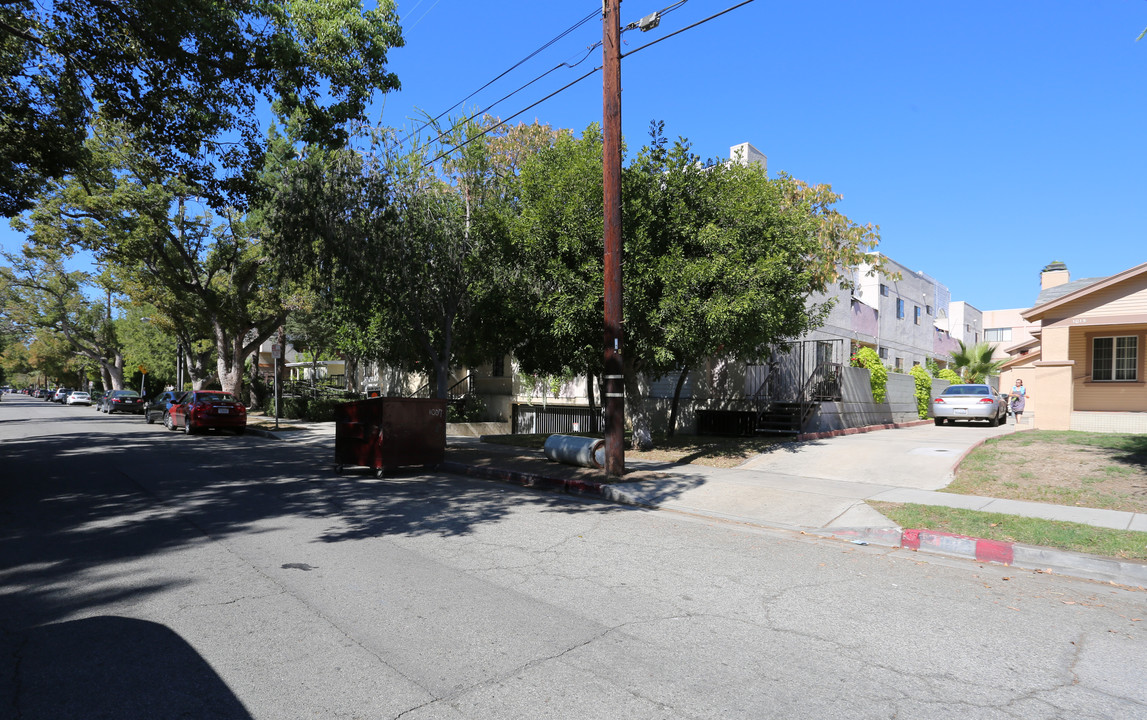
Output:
x=614 y=400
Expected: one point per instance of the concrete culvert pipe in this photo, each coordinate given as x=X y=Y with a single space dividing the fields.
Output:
x=573 y=450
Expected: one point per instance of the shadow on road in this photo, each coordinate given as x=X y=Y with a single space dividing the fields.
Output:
x=113 y=667
x=76 y=502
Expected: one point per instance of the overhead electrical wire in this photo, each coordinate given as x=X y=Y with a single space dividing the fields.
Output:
x=571 y=84
x=631 y=26
x=687 y=27
x=513 y=67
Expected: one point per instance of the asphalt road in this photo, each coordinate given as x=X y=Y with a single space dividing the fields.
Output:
x=147 y=574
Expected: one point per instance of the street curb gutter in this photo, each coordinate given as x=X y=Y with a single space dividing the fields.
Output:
x=1028 y=557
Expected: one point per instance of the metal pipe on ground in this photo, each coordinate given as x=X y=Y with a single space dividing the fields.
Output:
x=573 y=450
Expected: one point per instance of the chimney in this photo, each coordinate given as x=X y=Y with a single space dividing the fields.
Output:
x=745 y=154
x=1052 y=275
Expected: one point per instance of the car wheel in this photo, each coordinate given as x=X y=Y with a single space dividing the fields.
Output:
x=147 y=418
x=187 y=426
x=167 y=422
x=994 y=421
x=939 y=422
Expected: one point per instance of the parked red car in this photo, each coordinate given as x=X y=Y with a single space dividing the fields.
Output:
x=202 y=409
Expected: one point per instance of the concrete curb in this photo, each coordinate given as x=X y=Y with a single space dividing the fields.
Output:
x=1027 y=557
x=858 y=430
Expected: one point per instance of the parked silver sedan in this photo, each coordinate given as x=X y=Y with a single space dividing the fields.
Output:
x=970 y=402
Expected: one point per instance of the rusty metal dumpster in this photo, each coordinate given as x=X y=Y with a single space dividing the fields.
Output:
x=385 y=433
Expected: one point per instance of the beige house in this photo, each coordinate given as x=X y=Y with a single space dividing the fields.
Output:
x=1084 y=366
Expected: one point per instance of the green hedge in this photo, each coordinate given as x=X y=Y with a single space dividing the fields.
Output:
x=923 y=389
x=866 y=357
x=312 y=409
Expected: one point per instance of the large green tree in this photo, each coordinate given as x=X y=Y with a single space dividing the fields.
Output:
x=719 y=261
x=408 y=243
x=188 y=78
x=203 y=272
x=40 y=295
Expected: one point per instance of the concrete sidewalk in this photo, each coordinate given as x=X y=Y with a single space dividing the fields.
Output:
x=813 y=486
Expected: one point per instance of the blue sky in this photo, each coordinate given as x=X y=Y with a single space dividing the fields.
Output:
x=986 y=139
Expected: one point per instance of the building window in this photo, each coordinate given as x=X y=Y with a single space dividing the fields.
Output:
x=1115 y=358
x=899 y=363
x=883 y=353
x=976 y=338
x=917 y=315
x=498 y=366
x=928 y=310
x=883 y=289
x=998 y=334
x=899 y=309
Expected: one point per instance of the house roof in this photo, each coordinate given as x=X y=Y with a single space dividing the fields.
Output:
x=1059 y=291
x=1069 y=292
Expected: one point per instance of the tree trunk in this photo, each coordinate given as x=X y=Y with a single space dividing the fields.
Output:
x=676 y=398
x=638 y=413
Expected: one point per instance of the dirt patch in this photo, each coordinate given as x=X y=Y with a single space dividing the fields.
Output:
x=1059 y=468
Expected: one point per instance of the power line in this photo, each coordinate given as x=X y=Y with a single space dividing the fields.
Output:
x=631 y=26
x=571 y=84
x=687 y=27
x=513 y=67
x=500 y=123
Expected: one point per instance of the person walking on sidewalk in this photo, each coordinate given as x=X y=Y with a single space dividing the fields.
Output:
x=1019 y=396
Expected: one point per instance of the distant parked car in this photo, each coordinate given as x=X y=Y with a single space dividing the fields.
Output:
x=159 y=406
x=122 y=401
x=202 y=409
x=970 y=402
x=78 y=397
x=61 y=395
x=49 y=395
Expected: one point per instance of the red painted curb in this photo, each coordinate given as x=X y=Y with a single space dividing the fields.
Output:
x=984 y=550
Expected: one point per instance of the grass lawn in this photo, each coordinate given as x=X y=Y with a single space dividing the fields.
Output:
x=722 y=452
x=1095 y=470
x=1122 y=544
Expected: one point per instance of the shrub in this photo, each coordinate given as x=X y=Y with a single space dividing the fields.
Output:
x=472 y=409
x=878 y=374
x=302 y=408
x=950 y=375
x=923 y=389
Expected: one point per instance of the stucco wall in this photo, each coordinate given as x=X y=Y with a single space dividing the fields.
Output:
x=857 y=409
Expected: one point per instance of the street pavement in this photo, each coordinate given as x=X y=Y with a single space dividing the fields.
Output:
x=821 y=485
x=150 y=574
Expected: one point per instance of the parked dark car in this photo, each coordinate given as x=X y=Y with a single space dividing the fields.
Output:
x=122 y=401
x=48 y=395
x=159 y=407
x=202 y=409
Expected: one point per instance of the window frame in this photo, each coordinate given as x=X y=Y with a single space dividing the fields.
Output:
x=916 y=315
x=1136 y=368
x=899 y=308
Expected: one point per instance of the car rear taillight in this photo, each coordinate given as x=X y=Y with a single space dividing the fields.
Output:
x=938 y=400
x=987 y=400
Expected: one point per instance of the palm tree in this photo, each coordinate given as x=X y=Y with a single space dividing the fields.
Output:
x=976 y=363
